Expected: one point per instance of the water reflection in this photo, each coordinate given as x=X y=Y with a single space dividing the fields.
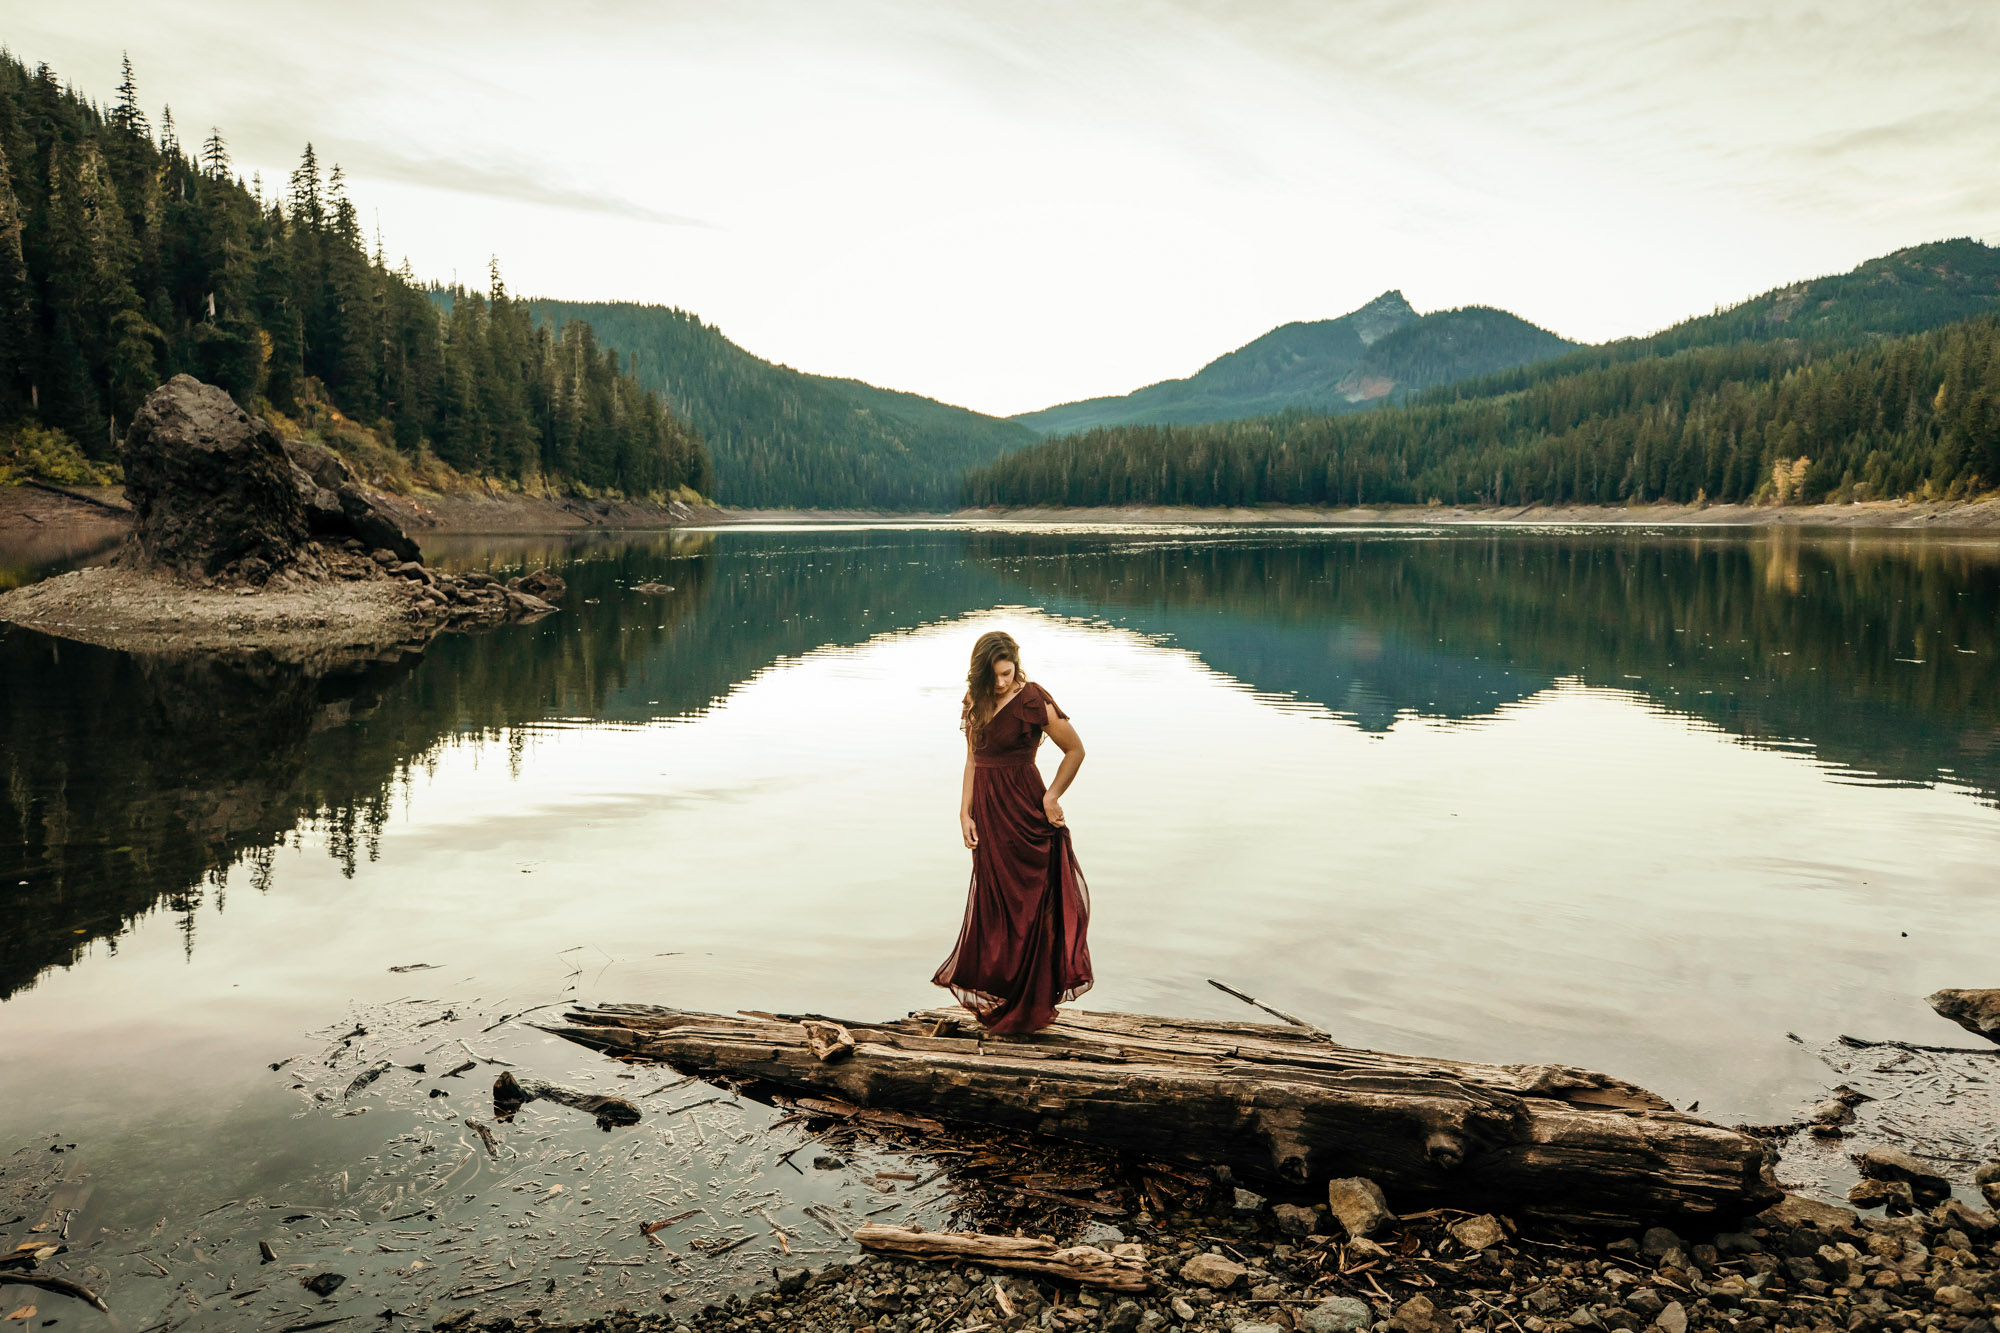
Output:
x=133 y=783
x=1879 y=653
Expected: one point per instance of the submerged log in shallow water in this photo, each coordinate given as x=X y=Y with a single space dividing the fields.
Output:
x=1280 y=1106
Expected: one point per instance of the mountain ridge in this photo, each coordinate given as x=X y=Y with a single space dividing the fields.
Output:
x=1381 y=350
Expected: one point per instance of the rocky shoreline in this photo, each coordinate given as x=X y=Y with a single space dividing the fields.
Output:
x=1236 y=1264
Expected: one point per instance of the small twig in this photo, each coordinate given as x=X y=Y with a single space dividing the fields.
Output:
x=1293 y=1019
x=61 y=1285
x=1846 y=1040
x=524 y=1013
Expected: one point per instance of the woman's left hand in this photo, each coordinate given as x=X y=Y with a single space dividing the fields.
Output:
x=1052 y=808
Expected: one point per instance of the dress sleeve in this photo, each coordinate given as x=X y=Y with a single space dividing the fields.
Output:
x=1035 y=709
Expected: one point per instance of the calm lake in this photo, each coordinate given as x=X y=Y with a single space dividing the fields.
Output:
x=1646 y=802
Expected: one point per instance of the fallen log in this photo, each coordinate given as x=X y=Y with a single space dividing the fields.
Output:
x=1281 y=1106
x=1077 y=1263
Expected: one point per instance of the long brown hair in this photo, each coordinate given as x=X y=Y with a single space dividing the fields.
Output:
x=994 y=647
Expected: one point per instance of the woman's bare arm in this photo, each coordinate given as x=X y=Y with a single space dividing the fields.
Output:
x=965 y=826
x=1059 y=730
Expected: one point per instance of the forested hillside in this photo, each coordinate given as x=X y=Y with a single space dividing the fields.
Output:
x=1383 y=351
x=783 y=438
x=126 y=258
x=1918 y=414
x=1816 y=391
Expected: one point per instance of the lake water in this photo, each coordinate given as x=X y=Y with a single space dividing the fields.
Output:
x=1647 y=802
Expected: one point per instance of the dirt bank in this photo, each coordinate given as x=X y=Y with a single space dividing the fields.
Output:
x=27 y=511
x=503 y=512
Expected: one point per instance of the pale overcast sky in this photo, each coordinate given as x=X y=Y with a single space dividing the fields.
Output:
x=1013 y=203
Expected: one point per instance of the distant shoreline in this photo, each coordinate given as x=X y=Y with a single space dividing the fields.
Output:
x=1975 y=516
x=25 y=509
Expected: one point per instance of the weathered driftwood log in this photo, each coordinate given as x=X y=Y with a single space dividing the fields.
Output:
x=1282 y=1106
x=1078 y=1263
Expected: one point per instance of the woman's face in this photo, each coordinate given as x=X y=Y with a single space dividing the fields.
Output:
x=1003 y=676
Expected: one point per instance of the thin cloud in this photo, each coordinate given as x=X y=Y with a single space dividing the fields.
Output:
x=524 y=182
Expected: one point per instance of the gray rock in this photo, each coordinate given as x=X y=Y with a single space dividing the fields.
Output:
x=1247 y=1203
x=1182 y=1308
x=793 y=1279
x=1359 y=1205
x=1974 y=1010
x=211 y=489
x=1673 y=1319
x=1341 y=1314
x=1645 y=1302
x=1124 y=1318
x=1247 y=1326
x=1294 y=1220
x=1543 y=1299
x=1658 y=1242
x=1214 y=1271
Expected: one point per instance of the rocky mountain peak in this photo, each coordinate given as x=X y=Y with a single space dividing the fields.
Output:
x=1382 y=317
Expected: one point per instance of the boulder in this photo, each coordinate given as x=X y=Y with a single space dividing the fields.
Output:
x=1895 y=1195
x=543 y=583
x=1359 y=1204
x=1974 y=1010
x=1795 y=1211
x=211 y=490
x=1987 y=1177
x=1893 y=1164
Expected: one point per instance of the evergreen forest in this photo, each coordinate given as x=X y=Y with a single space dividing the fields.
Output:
x=126 y=258
x=1875 y=384
x=782 y=438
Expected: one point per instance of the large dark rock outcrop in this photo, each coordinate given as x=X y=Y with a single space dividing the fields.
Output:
x=211 y=488
x=337 y=505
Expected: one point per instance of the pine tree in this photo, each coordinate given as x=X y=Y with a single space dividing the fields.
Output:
x=215 y=155
x=126 y=115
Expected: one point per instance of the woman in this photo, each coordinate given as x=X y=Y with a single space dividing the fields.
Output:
x=1022 y=950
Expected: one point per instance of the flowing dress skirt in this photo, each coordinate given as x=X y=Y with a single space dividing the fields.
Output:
x=1022 y=950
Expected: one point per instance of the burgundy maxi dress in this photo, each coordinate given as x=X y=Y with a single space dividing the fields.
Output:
x=1022 y=949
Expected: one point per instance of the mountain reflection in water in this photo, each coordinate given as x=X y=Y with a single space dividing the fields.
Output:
x=134 y=783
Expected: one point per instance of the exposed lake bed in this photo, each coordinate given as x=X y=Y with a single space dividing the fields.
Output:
x=1703 y=791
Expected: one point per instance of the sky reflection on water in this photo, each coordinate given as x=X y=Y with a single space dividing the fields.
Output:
x=1636 y=805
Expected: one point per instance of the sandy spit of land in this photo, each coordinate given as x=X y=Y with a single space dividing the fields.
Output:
x=139 y=611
